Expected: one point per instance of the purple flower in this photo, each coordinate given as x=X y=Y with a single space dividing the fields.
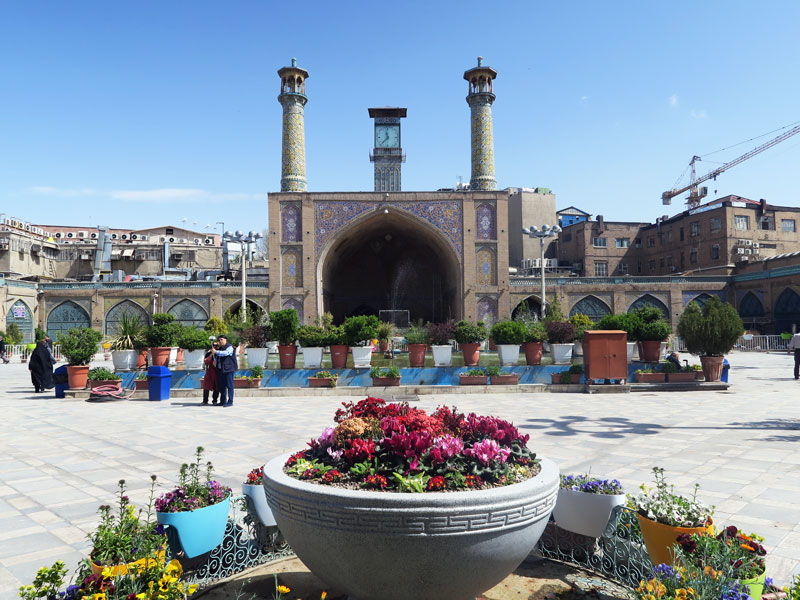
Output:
x=327 y=438
x=335 y=454
x=485 y=451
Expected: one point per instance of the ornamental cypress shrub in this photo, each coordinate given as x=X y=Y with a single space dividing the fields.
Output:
x=712 y=330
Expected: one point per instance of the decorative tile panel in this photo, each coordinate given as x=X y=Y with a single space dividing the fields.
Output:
x=485 y=222
x=291 y=227
x=293 y=156
x=701 y=297
x=591 y=306
x=487 y=310
x=482 y=143
x=486 y=264
x=189 y=314
x=65 y=316
x=292 y=268
x=296 y=304
x=169 y=301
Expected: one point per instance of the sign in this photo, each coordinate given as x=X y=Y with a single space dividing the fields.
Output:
x=19 y=312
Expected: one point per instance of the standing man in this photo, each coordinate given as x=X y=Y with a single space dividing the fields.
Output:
x=225 y=357
x=3 y=350
x=794 y=344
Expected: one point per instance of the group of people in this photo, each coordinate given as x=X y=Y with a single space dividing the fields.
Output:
x=220 y=363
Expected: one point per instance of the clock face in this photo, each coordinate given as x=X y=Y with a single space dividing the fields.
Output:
x=387 y=136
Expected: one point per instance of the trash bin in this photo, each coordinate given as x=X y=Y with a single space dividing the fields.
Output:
x=60 y=381
x=725 y=367
x=159 y=380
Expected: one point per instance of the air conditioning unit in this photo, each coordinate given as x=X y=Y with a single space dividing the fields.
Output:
x=4 y=246
x=27 y=227
x=756 y=250
x=748 y=242
x=143 y=238
x=171 y=240
x=198 y=241
x=113 y=236
x=134 y=236
x=85 y=256
x=755 y=244
x=744 y=258
x=59 y=235
x=93 y=235
x=208 y=241
x=14 y=223
x=740 y=251
x=163 y=239
x=83 y=234
x=748 y=251
x=124 y=236
x=182 y=240
x=70 y=234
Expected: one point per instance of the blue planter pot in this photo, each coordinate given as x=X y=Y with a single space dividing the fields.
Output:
x=201 y=530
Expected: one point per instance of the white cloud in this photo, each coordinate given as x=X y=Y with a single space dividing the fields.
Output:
x=45 y=190
x=698 y=113
x=673 y=100
x=161 y=195
x=585 y=99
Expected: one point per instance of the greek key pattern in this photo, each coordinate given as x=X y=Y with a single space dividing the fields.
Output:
x=363 y=519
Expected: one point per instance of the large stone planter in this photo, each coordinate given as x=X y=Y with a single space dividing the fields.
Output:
x=712 y=367
x=362 y=356
x=312 y=358
x=562 y=353
x=256 y=357
x=631 y=347
x=194 y=359
x=508 y=354
x=395 y=546
x=124 y=360
x=442 y=355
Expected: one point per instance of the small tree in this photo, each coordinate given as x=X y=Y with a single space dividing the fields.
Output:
x=508 y=332
x=216 y=326
x=552 y=311
x=712 y=331
x=361 y=329
x=13 y=334
x=467 y=333
x=79 y=345
x=284 y=326
x=581 y=323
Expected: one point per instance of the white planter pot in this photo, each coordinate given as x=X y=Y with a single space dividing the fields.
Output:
x=194 y=359
x=439 y=545
x=586 y=514
x=256 y=357
x=272 y=347
x=577 y=349
x=362 y=356
x=508 y=353
x=125 y=360
x=173 y=355
x=663 y=350
x=562 y=353
x=257 y=503
x=546 y=346
x=312 y=358
x=442 y=356
x=631 y=350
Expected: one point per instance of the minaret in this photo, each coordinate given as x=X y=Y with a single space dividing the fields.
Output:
x=293 y=155
x=480 y=99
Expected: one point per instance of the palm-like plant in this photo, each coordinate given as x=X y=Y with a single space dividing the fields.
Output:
x=130 y=335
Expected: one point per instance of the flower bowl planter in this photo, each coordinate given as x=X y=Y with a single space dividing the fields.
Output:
x=659 y=538
x=442 y=355
x=471 y=352
x=585 y=513
x=385 y=381
x=649 y=351
x=680 y=377
x=362 y=356
x=287 y=355
x=562 y=353
x=650 y=377
x=256 y=357
x=257 y=503
x=194 y=359
x=77 y=376
x=135 y=566
x=698 y=376
x=198 y=530
x=473 y=379
x=246 y=383
x=339 y=356
x=511 y=379
x=321 y=382
x=397 y=546
x=125 y=360
x=508 y=354
x=101 y=382
x=712 y=367
x=533 y=352
x=312 y=357
x=159 y=357
x=416 y=355
x=555 y=378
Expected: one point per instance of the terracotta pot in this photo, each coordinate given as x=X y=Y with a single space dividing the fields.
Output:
x=533 y=352
x=680 y=377
x=416 y=355
x=650 y=377
x=320 y=382
x=712 y=367
x=160 y=356
x=118 y=570
x=698 y=376
x=573 y=377
x=141 y=363
x=246 y=383
x=180 y=356
x=141 y=384
x=339 y=355
x=659 y=538
x=650 y=351
x=385 y=381
x=512 y=379
x=287 y=355
x=101 y=382
x=471 y=352
x=473 y=379
x=77 y=375
x=383 y=346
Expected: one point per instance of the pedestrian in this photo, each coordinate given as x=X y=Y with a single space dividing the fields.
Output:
x=225 y=357
x=210 y=376
x=40 y=365
x=675 y=359
x=49 y=343
x=794 y=344
x=3 y=350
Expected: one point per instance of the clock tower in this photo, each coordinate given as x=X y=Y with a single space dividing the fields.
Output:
x=387 y=154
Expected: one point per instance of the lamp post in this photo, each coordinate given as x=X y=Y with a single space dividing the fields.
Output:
x=244 y=241
x=545 y=232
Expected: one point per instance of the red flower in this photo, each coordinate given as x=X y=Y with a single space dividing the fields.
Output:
x=473 y=481
x=359 y=450
x=377 y=482
x=436 y=482
x=332 y=476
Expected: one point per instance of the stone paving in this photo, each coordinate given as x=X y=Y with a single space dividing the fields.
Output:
x=61 y=459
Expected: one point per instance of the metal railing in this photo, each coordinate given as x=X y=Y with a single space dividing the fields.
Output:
x=746 y=343
x=17 y=352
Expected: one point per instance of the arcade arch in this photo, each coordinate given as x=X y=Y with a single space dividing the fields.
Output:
x=64 y=317
x=21 y=315
x=649 y=300
x=126 y=307
x=189 y=313
x=592 y=307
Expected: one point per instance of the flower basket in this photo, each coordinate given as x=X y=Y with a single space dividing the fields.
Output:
x=198 y=530
x=385 y=381
x=659 y=538
x=651 y=377
x=509 y=379
x=585 y=513
x=138 y=565
x=473 y=379
x=245 y=383
x=682 y=377
x=321 y=382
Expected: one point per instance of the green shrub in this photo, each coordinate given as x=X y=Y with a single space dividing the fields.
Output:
x=536 y=332
x=416 y=334
x=385 y=331
x=78 y=345
x=216 y=326
x=391 y=372
x=656 y=331
x=565 y=377
x=669 y=367
x=625 y=322
x=552 y=311
x=467 y=333
x=576 y=369
x=336 y=335
x=102 y=374
x=311 y=336
x=13 y=335
x=476 y=372
x=191 y=339
x=163 y=332
x=581 y=323
x=361 y=329
x=284 y=326
x=257 y=372
x=508 y=332
x=493 y=371
x=130 y=334
x=712 y=331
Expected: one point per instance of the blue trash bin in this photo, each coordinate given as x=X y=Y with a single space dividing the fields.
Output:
x=60 y=381
x=725 y=368
x=159 y=380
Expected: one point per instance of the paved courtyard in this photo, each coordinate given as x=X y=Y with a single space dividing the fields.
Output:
x=61 y=459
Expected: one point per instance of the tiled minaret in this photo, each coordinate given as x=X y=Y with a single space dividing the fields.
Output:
x=293 y=156
x=480 y=99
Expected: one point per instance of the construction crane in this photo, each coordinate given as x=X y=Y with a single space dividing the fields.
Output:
x=697 y=193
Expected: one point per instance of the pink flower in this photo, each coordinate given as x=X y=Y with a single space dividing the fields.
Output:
x=409 y=445
x=445 y=447
x=327 y=438
x=485 y=451
x=335 y=454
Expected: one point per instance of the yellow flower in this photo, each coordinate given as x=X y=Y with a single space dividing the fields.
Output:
x=323 y=595
x=192 y=588
x=282 y=589
x=99 y=596
x=107 y=572
x=141 y=596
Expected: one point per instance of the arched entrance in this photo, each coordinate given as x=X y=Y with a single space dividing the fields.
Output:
x=787 y=311
x=592 y=307
x=751 y=310
x=390 y=261
x=189 y=314
x=701 y=299
x=64 y=317
x=254 y=312
x=528 y=309
x=20 y=315
x=126 y=307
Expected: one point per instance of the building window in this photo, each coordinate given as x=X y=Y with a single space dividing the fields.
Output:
x=638 y=266
x=599 y=242
x=693 y=255
x=715 y=252
x=715 y=224
x=623 y=242
x=694 y=228
x=169 y=231
x=669 y=235
x=741 y=222
x=651 y=241
x=567 y=237
x=767 y=223
x=669 y=260
x=601 y=269
x=637 y=243
x=787 y=225
x=681 y=234
x=661 y=263
x=652 y=265
x=622 y=268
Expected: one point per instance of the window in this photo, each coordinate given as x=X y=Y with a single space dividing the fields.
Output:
x=623 y=242
x=787 y=225
x=767 y=223
x=715 y=252
x=741 y=222
x=601 y=269
x=669 y=235
x=681 y=234
x=651 y=241
x=169 y=231
x=599 y=242
x=694 y=228
x=567 y=237
x=661 y=263
x=638 y=266
x=716 y=224
x=669 y=260
x=693 y=255
x=652 y=265
x=622 y=268
x=637 y=243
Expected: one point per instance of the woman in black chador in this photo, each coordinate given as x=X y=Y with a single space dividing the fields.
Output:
x=40 y=365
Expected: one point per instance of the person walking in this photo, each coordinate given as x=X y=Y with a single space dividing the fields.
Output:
x=40 y=365
x=210 y=377
x=3 y=350
x=225 y=357
x=794 y=344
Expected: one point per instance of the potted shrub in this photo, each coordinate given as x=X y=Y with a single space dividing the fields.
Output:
x=360 y=330
x=253 y=489
x=367 y=464
x=385 y=333
x=323 y=379
x=337 y=341
x=194 y=343
x=498 y=377
x=249 y=381
x=161 y=336
x=256 y=338
x=664 y=515
x=535 y=335
x=508 y=336
x=469 y=338
x=284 y=329
x=581 y=323
x=140 y=382
x=585 y=503
x=78 y=347
x=100 y=376
x=571 y=375
x=475 y=376
x=313 y=340
x=440 y=335
x=622 y=322
x=650 y=330
x=710 y=332
x=417 y=341
x=678 y=375
x=560 y=335
x=197 y=508
x=385 y=377
x=128 y=343
x=650 y=375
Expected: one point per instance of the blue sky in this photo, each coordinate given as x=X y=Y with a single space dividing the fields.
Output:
x=145 y=113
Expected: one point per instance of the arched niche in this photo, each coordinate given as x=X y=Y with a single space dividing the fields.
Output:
x=126 y=307
x=64 y=317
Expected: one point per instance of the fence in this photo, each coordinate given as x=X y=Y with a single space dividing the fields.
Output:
x=746 y=343
x=17 y=352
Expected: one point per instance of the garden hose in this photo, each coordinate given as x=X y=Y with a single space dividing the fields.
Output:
x=110 y=392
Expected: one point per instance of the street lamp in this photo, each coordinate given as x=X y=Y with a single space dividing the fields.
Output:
x=244 y=241
x=545 y=232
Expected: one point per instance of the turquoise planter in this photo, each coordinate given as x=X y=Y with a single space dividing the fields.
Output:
x=201 y=530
